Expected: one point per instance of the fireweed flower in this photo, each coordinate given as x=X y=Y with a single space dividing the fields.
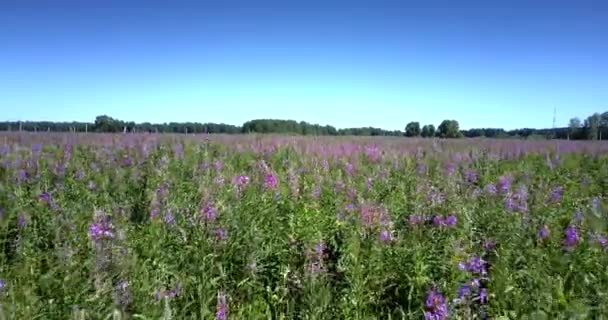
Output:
x=208 y=212
x=464 y=291
x=270 y=181
x=415 y=219
x=169 y=218
x=602 y=240
x=36 y=148
x=436 y=307
x=22 y=175
x=350 y=168
x=471 y=176
x=504 y=184
x=474 y=265
x=449 y=169
x=241 y=181
x=45 y=197
x=543 y=232
x=439 y=221
x=490 y=188
x=571 y=236
x=483 y=295
x=386 y=236
x=556 y=194
x=221 y=312
x=451 y=220
x=101 y=229
x=221 y=234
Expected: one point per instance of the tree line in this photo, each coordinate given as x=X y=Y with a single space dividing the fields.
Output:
x=593 y=127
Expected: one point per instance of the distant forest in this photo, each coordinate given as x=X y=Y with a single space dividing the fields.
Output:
x=594 y=127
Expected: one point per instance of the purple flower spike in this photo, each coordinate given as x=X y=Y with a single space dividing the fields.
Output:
x=386 y=236
x=556 y=194
x=439 y=221
x=572 y=237
x=543 y=232
x=451 y=220
x=221 y=312
x=270 y=181
x=436 y=307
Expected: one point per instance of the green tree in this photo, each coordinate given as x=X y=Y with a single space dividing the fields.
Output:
x=592 y=125
x=412 y=129
x=428 y=130
x=449 y=129
x=574 y=126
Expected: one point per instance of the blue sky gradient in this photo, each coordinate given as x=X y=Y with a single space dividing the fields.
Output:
x=346 y=63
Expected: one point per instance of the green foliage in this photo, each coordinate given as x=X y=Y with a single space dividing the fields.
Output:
x=305 y=249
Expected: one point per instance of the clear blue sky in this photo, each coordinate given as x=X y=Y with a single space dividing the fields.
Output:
x=346 y=63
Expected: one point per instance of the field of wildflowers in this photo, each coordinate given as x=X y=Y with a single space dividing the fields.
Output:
x=200 y=227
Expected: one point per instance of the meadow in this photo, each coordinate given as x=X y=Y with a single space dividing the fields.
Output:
x=130 y=226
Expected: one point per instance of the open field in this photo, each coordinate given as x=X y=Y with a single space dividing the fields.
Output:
x=269 y=227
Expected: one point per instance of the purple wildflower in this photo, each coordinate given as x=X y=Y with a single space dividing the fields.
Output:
x=270 y=181
x=169 y=218
x=556 y=194
x=218 y=165
x=101 y=229
x=449 y=168
x=439 y=221
x=504 y=183
x=221 y=312
x=209 y=212
x=602 y=240
x=490 y=188
x=483 y=295
x=36 y=148
x=221 y=234
x=386 y=236
x=471 y=176
x=572 y=237
x=578 y=216
x=45 y=196
x=464 y=291
x=22 y=175
x=350 y=168
x=543 y=232
x=241 y=181
x=436 y=307
x=415 y=219
x=475 y=283
x=475 y=265
x=451 y=220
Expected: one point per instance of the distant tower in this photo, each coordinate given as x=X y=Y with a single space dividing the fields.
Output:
x=554 y=112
